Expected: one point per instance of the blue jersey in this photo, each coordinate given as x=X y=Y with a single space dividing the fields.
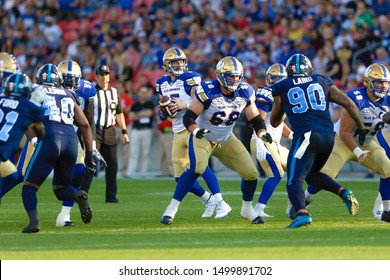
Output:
x=305 y=101
x=16 y=114
x=221 y=112
x=59 y=112
x=86 y=92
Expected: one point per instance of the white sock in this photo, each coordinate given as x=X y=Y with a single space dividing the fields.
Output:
x=66 y=210
x=308 y=195
x=172 y=208
x=218 y=197
x=261 y=206
x=247 y=204
x=386 y=205
x=205 y=196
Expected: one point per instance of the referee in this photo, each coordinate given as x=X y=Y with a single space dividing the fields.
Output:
x=107 y=113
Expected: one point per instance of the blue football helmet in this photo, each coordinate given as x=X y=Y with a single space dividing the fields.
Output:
x=18 y=85
x=299 y=65
x=226 y=70
x=71 y=74
x=49 y=74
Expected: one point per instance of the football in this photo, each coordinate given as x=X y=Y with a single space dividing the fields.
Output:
x=166 y=107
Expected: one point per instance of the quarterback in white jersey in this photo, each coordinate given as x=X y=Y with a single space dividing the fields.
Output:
x=369 y=100
x=210 y=119
x=179 y=85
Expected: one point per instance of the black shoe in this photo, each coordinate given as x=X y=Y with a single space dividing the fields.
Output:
x=32 y=227
x=258 y=220
x=115 y=200
x=166 y=220
x=385 y=217
x=85 y=209
x=69 y=224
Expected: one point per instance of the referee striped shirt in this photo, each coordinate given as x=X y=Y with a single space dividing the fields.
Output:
x=107 y=106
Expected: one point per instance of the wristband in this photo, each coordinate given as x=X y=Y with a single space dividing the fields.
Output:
x=195 y=131
x=291 y=135
x=34 y=141
x=124 y=131
x=93 y=145
x=358 y=152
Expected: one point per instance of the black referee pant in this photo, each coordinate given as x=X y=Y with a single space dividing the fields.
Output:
x=110 y=155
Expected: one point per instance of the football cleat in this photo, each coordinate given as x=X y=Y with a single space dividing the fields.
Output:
x=34 y=225
x=350 y=201
x=259 y=209
x=301 y=219
x=166 y=220
x=250 y=214
x=385 y=218
x=290 y=211
x=85 y=209
x=223 y=209
x=64 y=221
x=210 y=206
x=258 y=220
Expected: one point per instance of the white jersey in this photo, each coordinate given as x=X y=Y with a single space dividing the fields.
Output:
x=221 y=113
x=371 y=122
x=178 y=89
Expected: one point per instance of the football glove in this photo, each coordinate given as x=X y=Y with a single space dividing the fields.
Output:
x=90 y=162
x=379 y=111
x=265 y=136
x=362 y=135
x=200 y=132
x=161 y=115
x=261 y=150
x=98 y=158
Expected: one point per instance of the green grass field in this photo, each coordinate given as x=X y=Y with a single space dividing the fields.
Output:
x=131 y=229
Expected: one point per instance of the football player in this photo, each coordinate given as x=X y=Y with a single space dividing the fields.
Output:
x=58 y=148
x=304 y=97
x=271 y=156
x=19 y=110
x=8 y=66
x=370 y=100
x=180 y=86
x=71 y=74
x=210 y=119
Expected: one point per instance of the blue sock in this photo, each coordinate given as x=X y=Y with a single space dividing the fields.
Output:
x=184 y=184
x=322 y=181
x=78 y=174
x=268 y=189
x=248 y=189
x=11 y=181
x=312 y=189
x=211 y=180
x=29 y=196
x=384 y=188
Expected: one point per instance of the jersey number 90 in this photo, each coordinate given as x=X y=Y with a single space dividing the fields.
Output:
x=314 y=94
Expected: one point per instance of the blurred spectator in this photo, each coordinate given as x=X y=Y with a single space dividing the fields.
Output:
x=142 y=117
x=165 y=136
x=382 y=56
x=123 y=150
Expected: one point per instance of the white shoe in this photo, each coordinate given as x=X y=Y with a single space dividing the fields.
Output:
x=63 y=221
x=223 y=209
x=289 y=209
x=259 y=209
x=378 y=207
x=248 y=213
x=210 y=206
